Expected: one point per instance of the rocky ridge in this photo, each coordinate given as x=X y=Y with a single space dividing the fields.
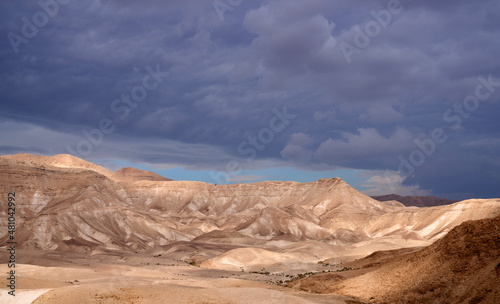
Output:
x=70 y=205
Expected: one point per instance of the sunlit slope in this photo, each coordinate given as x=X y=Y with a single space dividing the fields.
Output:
x=68 y=204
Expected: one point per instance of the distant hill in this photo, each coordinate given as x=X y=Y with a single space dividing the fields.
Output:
x=133 y=174
x=418 y=201
x=65 y=161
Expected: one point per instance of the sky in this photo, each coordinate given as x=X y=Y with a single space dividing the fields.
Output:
x=392 y=96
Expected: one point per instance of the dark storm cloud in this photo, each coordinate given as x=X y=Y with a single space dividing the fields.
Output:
x=225 y=78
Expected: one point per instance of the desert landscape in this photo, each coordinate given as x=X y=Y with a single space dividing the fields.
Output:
x=86 y=234
x=263 y=151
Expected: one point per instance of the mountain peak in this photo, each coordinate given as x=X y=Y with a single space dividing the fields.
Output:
x=335 y=180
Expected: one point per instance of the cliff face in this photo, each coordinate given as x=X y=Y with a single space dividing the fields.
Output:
x=67 y=204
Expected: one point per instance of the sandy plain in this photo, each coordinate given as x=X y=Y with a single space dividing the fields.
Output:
x=72 y=278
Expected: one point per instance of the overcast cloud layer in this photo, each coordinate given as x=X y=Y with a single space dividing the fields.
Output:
x=312 y=85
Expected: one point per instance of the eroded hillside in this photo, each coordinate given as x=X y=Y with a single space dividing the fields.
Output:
x=69 y=205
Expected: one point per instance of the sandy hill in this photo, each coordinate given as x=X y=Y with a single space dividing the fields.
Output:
x=417 y=201
x=65 y=161
x=59 y=161
x=133 y=174
x=462 y=267
x=70 y=205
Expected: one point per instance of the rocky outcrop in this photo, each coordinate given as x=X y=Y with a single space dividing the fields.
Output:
x=462 y=267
